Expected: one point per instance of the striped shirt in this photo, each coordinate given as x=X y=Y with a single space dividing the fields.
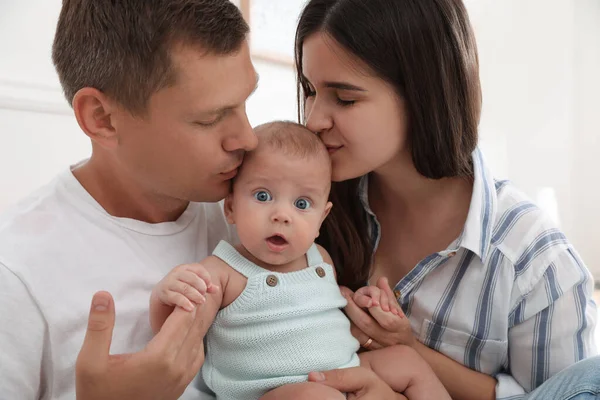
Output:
x=510 y=297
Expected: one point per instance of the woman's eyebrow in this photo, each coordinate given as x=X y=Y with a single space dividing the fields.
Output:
x=344 y=86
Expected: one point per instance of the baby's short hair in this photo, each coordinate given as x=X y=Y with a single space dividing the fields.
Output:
x=291 y=138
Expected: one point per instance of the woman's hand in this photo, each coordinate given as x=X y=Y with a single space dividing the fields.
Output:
x=160 y=371
x=372 y=325
x=359 y=382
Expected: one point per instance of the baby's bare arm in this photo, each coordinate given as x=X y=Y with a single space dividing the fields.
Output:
x=405 y=371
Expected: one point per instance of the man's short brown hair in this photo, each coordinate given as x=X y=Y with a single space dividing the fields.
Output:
x=122 y=47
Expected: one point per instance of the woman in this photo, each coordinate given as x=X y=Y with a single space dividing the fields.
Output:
x=498 y=301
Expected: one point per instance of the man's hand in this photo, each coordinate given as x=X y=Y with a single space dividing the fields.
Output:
x=359 y=382
x=161 y=371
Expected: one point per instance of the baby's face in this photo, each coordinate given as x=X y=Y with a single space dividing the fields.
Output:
x=278 y=204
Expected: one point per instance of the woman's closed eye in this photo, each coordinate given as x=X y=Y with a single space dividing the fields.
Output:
x=344 y=103
x=309 y=92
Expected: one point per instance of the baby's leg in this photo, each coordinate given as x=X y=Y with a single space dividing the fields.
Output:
x=304 y=391
x=405 y=371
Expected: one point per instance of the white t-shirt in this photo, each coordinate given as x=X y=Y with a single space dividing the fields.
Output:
x=57 y=248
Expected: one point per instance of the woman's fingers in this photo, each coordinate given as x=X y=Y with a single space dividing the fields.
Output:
x=363 y=320
x=384 y=285
x=363 y=339
x=387 y=320
x=383 y=301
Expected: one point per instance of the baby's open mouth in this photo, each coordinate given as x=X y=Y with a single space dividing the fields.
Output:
x=277 y=240
x=277 y=243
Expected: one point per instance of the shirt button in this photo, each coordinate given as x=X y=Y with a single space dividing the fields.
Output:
x=397 y=294
x=272 y=280
x=320 y=271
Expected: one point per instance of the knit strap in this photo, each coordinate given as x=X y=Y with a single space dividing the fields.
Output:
x=313 y=256
x=235 y=260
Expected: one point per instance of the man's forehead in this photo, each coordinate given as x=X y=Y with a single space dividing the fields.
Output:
x=218 y=80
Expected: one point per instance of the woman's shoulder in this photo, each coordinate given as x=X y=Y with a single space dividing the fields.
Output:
x=526 y=234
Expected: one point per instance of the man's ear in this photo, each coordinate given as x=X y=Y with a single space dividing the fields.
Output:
x=95 y=115
x=325 y=214
x=228 y=209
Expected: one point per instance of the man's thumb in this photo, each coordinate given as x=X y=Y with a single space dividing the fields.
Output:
x=344 y=380
x=101 y=321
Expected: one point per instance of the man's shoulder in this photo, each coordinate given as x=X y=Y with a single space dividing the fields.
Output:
x=25 y=225
x=29 y=212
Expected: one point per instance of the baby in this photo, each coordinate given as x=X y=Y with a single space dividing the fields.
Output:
x=274 y=299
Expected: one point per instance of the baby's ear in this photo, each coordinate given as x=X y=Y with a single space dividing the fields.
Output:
x=228 y=209
x=325 y=214
x=328 y=208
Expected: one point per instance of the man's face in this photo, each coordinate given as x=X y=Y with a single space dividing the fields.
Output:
x=193 y=137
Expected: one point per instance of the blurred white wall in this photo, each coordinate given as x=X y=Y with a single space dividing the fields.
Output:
x=540 y=125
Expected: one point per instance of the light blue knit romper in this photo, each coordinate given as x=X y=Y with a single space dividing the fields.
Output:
x=281 y=327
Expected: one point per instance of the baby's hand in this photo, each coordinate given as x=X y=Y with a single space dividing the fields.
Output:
x=185 y=285
x=372 y=296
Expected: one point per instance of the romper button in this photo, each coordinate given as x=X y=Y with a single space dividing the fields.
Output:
x=320 y=271
x=397 y=294
x=272 y=280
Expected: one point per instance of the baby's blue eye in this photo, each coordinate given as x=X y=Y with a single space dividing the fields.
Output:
x=262 y=196
x=302 y=204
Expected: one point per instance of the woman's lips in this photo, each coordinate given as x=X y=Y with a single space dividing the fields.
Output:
x=333 y=149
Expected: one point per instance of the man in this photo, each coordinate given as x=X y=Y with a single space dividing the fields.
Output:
x=160 y=89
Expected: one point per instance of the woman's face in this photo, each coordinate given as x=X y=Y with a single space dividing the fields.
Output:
x=359 y=116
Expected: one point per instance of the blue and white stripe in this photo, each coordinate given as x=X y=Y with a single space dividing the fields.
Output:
x=510 y=297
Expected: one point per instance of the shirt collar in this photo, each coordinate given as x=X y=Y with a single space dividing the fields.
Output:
x=477 y=233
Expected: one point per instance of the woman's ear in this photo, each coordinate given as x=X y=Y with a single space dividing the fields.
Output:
x=94 y=112
x=228 y=209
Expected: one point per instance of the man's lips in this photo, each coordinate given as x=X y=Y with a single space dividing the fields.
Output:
x=231 y=173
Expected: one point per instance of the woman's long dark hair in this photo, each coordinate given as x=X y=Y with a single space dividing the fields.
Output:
x=426 y=50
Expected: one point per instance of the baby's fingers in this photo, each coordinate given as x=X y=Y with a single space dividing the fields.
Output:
x=189 y=290
x=190 y=278
x=178 y=299
x=204 y=275
x=367 y=296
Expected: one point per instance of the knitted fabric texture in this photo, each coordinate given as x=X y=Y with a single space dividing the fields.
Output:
x=277 y=330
